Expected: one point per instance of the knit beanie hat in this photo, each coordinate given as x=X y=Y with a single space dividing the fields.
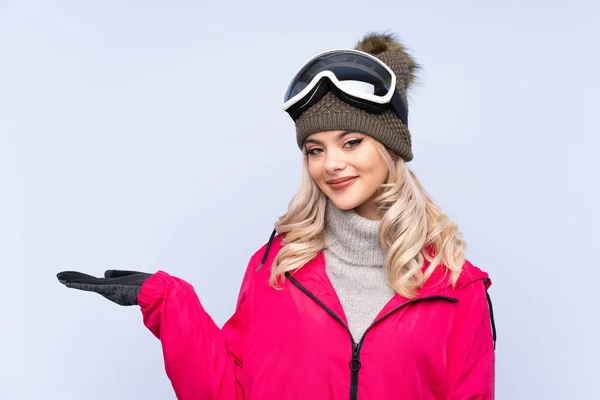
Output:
x=331 y=113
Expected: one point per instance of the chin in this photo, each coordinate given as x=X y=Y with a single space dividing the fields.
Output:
x=344 y=202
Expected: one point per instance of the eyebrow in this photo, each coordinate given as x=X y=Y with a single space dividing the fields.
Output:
x=339 y=136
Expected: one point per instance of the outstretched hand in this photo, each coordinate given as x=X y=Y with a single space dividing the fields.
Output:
x=121 y=287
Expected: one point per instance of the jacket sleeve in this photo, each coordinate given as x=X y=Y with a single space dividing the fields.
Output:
x=200 y=359
x=471 y=358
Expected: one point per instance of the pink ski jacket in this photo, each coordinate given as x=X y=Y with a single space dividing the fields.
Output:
x=294 y=343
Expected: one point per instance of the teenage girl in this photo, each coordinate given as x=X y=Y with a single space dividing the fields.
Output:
x=362 y=291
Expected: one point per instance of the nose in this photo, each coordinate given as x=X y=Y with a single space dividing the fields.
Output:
x=334 y=161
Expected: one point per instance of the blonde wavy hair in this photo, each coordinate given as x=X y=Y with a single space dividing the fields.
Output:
x=412 y=229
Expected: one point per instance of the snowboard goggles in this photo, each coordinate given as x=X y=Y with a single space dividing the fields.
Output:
x=356 y=77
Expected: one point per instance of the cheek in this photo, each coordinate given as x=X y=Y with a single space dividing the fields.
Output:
x=381 y=172
x=373 y=165
x=315 y=170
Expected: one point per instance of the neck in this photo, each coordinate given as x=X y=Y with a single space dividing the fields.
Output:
x=368 y=211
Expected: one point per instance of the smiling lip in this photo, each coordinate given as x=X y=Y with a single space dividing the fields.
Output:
x=341 y=183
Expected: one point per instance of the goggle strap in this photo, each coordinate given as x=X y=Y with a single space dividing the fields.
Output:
x=399 y=107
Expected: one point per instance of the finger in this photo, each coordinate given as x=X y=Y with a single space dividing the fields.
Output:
x=69 y=276
x=104 y=290
x=122 y=295
x=82 y=286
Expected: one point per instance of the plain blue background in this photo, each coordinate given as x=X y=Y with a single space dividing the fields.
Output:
x=149 y=135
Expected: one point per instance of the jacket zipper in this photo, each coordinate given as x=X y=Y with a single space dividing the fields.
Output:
x=354 y=363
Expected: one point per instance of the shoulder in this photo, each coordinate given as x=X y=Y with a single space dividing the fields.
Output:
x=472 y=283
x=468 y=277
x=474 y=312
x=474 y=304
x=265 y=255
x=470 y=274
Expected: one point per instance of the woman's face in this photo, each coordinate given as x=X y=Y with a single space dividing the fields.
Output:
x=348 y=168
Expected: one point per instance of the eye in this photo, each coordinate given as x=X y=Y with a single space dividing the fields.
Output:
x=314 y=151
x=353 y=142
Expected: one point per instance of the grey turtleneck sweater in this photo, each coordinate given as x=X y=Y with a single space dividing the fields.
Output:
x=354 y=264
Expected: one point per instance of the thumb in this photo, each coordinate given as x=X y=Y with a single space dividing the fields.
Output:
x=116 y=273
